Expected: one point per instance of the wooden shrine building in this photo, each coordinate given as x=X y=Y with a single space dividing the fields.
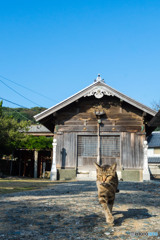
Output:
x=98 y=124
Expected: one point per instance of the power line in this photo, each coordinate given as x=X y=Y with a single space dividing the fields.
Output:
x=19 y=93
x=18 y=106
x=19 y=114
x=13 y=103
x=31 y=90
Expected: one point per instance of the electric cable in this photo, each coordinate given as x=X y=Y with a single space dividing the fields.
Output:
x=31 y=90
x=13 y=103
x=18 y=106
x=19 y=114
x=19 y=93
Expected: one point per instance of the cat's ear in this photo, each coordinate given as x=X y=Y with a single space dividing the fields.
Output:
x=114 y=166
x=97 y=166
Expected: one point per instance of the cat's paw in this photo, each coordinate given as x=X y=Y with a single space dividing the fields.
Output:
x=110 y=219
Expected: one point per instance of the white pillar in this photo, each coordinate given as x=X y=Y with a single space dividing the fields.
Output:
x=146 y=174
x=53 y=175
x=35 y=163
x=99 y=143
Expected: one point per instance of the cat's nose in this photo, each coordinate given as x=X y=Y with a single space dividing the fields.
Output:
x=103 y=180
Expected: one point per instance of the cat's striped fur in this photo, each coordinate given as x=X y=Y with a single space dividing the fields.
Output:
x=107 y=183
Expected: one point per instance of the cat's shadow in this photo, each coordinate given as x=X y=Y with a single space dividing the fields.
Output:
x=136 y=214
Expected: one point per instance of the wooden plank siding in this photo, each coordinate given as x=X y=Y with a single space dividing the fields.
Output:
x=132 y=150
x=79 y=119
x=66 y=150
x=99 y=110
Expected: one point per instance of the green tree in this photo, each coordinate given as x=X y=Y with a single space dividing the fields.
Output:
x=11 y=133
x=1 y=102
x=22 y=114
x=37 y=143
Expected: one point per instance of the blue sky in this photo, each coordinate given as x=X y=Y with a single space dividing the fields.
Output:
x=57 y=48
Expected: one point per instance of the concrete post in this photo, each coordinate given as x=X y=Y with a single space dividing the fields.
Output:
x=35 y=163
x=146 y=174
x=99 y=144
x=53 y=175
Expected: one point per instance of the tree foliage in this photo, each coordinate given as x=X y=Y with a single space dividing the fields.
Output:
x=22 y=114
x=11 y=133
x=37 y=143
x=1 y=108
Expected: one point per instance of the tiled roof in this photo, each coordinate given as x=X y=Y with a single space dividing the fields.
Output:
x=38 y=129
x=154 y=140
x=154 y=160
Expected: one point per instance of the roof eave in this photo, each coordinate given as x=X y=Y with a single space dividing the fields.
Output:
x=155 y=121
x=83 y=92
x=64 y=103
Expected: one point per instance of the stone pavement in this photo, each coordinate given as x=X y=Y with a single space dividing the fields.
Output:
x=71 y=211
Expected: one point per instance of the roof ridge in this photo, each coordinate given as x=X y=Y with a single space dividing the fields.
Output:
x=89 y=90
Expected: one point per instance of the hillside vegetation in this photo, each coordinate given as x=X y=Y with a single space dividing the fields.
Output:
x=22 y=114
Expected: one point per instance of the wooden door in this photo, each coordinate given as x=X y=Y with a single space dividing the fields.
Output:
x=110 y=150
x=88 y=151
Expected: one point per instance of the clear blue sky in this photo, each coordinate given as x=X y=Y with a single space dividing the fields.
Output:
x=57 y=48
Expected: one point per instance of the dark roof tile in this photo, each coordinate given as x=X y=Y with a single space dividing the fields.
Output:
x=154 y=140
x=154 y=159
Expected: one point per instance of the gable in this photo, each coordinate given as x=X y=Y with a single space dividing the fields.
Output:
x=97 y=90
x=115 y=115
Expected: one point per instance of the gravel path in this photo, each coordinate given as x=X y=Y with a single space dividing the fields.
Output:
x=71 y=211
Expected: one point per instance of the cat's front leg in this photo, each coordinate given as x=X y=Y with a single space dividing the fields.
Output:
x=110 y=205
x=108 y=213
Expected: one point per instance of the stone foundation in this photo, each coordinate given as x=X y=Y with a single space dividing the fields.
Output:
x=132 y=175
x=66 y=174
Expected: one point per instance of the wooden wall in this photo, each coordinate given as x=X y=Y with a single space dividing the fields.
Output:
x=132 y=150
x=119 y=118
x=66 y=150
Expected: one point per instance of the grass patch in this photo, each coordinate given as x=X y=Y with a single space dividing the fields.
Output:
x=20 y=185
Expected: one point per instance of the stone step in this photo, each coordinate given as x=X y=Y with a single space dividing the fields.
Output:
x=86 y=175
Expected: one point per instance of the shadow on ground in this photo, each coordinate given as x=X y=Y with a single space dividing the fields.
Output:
x=135 y=214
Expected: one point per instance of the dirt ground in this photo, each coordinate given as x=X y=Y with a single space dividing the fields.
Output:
x=72 y=211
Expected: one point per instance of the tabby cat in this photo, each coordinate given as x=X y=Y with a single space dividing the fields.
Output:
x=107 y=183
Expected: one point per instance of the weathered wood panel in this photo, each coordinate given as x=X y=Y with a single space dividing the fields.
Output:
x=80 y=118
x=60 y=146
x=88 y=150
x=70 y=149
x=83 y=113
x=66 y=150
x=104 y=128
x=132 y=150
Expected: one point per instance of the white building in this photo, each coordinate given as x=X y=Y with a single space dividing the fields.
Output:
x=154 y=154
